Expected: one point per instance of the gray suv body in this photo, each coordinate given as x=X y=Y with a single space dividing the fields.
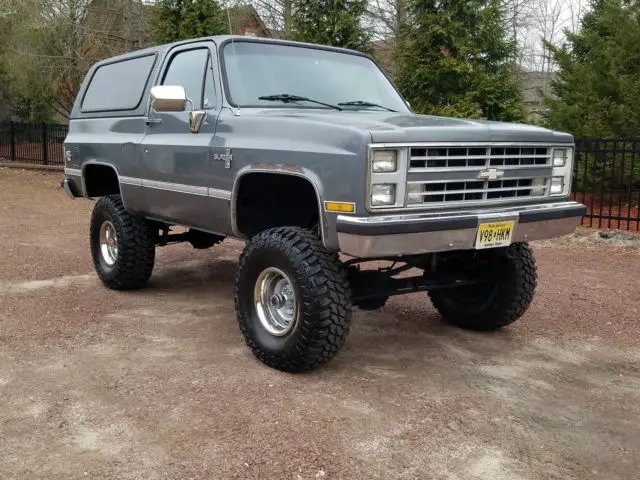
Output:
x=305 y=152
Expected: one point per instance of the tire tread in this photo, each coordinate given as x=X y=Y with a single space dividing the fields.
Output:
x=325 y=298
x=509 y=307
x=136 y=245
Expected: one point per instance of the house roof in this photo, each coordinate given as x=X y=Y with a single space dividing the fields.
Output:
x=383 y=53
x=242 y=16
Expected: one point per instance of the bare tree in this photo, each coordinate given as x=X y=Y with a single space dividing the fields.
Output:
x=551 y=19
x=550 y=22
x=57 y=41
x=532 y=22
x=385 y=17
x=276 y=14
x=518 y=15
x=577 y=9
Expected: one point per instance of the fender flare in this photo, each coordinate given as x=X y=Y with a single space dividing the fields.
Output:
x=290 y=170
x=121 y=180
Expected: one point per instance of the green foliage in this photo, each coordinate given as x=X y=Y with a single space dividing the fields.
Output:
x=455 y=58
x=331 y=22
x=32 y=110
x=33 y=106
x=606 y=167
x=597 y=87
x=22 y=89
x=174 y=20
x=46 y=49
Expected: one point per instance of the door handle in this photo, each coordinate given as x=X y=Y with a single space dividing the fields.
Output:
x=152 y=121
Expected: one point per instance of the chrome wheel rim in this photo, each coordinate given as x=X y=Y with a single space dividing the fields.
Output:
x=275 y=302
x=108 y=243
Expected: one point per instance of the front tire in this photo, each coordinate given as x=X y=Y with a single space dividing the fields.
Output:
x=293 y=300
x=503 y=299
x=123 y=245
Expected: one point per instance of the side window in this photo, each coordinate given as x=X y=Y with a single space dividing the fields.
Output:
x=187 y=69
x=118 y=86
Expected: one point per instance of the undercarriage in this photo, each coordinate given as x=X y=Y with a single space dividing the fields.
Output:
x=413 y=274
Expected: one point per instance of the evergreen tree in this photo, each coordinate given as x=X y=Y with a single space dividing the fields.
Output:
x=331 y=22
x=175 y=20
x=596 y=91
x=455 y=58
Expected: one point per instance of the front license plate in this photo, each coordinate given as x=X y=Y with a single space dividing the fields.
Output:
x=493 y=235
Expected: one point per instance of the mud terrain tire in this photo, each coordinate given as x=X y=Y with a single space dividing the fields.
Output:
x=504 y=300
x=130 y=264
x=320 y=313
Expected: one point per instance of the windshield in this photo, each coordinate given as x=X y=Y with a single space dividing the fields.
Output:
x=256 y=70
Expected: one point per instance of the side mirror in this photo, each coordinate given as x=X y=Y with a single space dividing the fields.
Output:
x=168 y=98
x=408 y=104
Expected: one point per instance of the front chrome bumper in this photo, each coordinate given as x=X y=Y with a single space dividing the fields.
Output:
x=396 y=235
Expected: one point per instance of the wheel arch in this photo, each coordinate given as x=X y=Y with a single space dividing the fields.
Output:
x=88 y=188
x=283 y=171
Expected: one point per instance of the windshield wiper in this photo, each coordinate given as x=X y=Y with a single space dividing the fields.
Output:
x=360 y=103
x=288 y=98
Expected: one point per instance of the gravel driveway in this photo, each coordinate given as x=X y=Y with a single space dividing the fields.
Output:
x=158 y=384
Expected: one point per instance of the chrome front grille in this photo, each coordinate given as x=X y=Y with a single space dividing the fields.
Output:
x=474 y=175
x=434 y=192
x=469 y=157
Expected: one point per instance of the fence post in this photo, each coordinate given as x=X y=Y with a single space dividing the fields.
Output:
x=12 y=140
x=45 y=145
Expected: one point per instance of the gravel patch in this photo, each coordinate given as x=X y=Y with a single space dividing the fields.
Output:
x=157 y=384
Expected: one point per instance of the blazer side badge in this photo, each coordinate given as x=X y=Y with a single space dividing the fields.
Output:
x=226 y=157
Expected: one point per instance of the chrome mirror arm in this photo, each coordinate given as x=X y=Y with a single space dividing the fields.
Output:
x=196 y=119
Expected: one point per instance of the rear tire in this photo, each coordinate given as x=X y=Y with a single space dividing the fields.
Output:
x=498 y=303
x=293 y=300
x=123 y=245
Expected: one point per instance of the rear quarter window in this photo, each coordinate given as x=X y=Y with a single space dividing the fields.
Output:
x=118 y=86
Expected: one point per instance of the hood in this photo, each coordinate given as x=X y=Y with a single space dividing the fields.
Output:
x=389 y=127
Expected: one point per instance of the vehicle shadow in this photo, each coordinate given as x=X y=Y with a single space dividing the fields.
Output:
x=407 y=333
x=201 y=276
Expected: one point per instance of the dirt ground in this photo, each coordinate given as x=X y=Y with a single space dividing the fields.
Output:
x=157 y=384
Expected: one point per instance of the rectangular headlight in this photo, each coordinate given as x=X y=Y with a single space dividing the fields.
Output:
x=384 y=161
x=383 y=194
x=560 y=157
x=557 y=185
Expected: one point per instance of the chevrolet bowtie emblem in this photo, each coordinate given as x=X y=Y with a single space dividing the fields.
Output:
x=491 y=174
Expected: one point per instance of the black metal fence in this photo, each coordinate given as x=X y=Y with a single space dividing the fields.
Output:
x=32 y=144
x=606 y=175
x=607 y=180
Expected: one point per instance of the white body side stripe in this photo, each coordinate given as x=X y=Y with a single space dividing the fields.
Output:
x=175 y=187
x=131 y=181
x=76 y=172
x=167 y=186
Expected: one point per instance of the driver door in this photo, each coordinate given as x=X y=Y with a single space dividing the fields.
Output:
x=176 y=164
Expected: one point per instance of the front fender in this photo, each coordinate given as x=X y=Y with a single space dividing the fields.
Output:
x=282 y=169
